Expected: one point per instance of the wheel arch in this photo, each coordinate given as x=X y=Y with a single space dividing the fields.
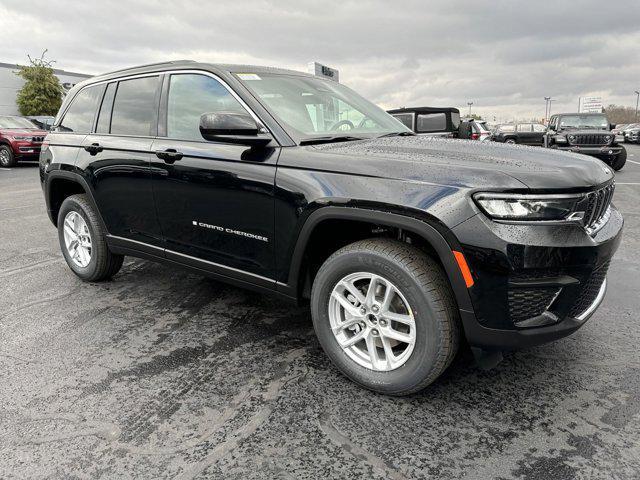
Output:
x=440 y=246
x=61 y=184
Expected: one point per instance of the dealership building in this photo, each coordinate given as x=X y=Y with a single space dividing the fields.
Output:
x=10 y=84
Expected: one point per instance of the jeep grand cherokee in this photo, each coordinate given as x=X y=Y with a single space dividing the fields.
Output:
x=292 y=184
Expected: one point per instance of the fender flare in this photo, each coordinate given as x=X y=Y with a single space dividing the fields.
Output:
x=74 y=177
x=434 y=237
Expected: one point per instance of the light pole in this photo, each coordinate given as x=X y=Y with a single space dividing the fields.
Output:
x=547 y=108
x=469 y=103
x=637 y=98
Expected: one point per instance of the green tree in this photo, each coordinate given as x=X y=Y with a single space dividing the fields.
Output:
x=42 y=93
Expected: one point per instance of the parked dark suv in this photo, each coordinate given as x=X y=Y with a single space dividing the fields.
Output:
x=522 y=133
x=293 y=184
x=19 y=140
x=587 y=133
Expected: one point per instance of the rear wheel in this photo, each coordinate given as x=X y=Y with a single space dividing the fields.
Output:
x=7 y=158
x=619 y=160
x=510 y=140
x=384 y=313
x=83 y=241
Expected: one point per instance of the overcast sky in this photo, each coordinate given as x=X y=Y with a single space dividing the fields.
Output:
x=505 y=56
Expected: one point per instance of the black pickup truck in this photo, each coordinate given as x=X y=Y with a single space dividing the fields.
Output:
x=587 y=133
x=295 y=185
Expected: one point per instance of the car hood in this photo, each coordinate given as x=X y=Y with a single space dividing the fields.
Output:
x=23 y=132
x=471 y=164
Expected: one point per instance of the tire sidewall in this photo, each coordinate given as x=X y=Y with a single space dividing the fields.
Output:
x=11 y=162
x=426 y=349
x=619 y=161
x=69 y=205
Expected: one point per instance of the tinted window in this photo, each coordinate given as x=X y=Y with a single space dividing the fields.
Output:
x=135 y=108
x=104 y=117
x=455 y=119
x=191 y=95
x=405 y=118
x=80 y=115
x=431 y=122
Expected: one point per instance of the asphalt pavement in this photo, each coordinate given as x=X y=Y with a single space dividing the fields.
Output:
x=164 y=374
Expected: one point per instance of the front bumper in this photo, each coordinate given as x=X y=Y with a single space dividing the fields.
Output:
x=606 y=150
x=533 y=284
x=25 y=149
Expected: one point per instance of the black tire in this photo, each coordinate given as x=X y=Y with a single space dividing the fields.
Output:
x=426 y=288
x=511 y=140
x=7 y=158
x=618 y=162
x=103 y=264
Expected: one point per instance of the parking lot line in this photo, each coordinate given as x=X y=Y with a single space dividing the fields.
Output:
x=633 y=161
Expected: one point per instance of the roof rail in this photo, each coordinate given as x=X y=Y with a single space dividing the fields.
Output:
x=157 y=64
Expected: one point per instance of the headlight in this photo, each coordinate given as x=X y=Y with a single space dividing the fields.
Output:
x=560 y=139
x=530 y=207
x=20 y=138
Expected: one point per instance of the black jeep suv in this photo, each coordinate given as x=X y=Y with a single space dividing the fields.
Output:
x=588 y=133
x=292 y=184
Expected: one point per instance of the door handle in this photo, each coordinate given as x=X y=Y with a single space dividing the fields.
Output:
x=94 y=148
x=170 y=155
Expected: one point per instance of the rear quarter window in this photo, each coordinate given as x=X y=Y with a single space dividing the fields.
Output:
x=405 y=118
x=80 y=114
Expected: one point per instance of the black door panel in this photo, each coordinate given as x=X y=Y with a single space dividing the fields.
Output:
x=121 y=178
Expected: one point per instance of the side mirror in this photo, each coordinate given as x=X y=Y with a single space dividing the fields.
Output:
x=233 y=127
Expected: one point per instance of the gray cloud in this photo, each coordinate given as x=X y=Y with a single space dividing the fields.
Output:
x=504 y=55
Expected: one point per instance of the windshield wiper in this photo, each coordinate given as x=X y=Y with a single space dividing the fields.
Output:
x=398 y=134
x=328 y=139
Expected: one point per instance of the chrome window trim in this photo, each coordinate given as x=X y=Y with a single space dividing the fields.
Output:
x=158 y=74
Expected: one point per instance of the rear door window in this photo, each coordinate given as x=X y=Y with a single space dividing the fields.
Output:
x=538 y=128
x=82 y=111
x=431 y=122
x=524 y=127
x=135 y=108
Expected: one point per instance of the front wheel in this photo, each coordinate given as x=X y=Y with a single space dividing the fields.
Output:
x=619 y=160
x=7 y=158
x=511 y=141
x=385 y=315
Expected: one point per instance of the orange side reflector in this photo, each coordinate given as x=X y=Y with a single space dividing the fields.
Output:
x=464 y=268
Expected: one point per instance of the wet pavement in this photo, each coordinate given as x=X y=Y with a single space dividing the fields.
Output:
x=164 y=374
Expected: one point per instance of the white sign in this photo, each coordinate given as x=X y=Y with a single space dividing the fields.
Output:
x=590 y=105
x=323 y=71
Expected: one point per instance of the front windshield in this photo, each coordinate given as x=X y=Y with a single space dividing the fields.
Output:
x=584 y=121
x=310 y=107
x=16 y=123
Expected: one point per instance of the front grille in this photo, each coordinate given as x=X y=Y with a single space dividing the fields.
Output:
x=589 y=291
x=37 y=139
x=597 y=139
x=526 y=303
x=597 y=207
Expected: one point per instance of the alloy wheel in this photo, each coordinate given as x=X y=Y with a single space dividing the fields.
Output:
x=372 y=321
x=4 y=157
x=77 y=239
